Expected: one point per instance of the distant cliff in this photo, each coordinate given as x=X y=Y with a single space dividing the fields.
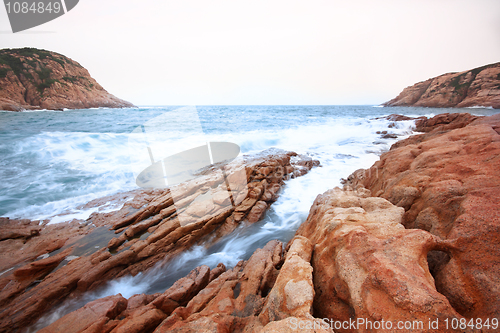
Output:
x=37 y=79
x=476 y=87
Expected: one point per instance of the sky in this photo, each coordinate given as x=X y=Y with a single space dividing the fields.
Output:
x=267 y=52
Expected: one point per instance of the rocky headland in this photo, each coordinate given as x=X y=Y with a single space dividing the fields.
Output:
x=34 y=79
x=476 y=87
x=412 y=241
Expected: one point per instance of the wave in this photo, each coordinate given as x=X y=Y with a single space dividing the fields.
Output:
x=480 y=107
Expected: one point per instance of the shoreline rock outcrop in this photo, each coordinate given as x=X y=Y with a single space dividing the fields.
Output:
x=269 y=292
x=476 y=87
x=448 y=184
x=368 y=266
x=147 y=231
x=34 y=79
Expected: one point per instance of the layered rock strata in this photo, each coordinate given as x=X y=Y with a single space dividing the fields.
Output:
x=37 y=79
x=148 y=231
x=270 y=292
x=476 y=87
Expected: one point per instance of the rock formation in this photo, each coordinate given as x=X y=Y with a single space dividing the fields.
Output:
x=367 y=266
x=37 y=79
x=476 y=87
x=147 y=231
x=448 y=184
x=269 y=292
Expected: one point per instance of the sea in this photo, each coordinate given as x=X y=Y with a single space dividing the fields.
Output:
x=53 y=162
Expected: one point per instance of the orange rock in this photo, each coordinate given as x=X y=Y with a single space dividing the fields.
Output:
x=152 y=215
x=231 y=301
x=444 y=122
x=234 y=299
x=367 y=265
x=143 y=320
x=183 y=290
x=293 y=293
x=41 y=267
x=455 y=189
x=257 y=211
x=91 y=318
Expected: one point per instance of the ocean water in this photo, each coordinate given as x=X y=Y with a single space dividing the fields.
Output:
x=54 y=162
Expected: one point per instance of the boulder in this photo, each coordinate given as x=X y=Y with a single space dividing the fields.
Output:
x=367 y=265
x=93 y=317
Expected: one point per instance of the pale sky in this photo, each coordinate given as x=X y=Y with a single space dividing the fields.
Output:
x=226 y=52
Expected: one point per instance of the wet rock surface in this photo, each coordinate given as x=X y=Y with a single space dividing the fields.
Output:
x=258 y=295
x=154 y=227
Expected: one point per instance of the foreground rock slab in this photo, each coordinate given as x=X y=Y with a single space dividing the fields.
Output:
x=270 y=292
x=368 y=266
x=148 y=230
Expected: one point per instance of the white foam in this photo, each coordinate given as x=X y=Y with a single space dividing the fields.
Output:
x=480 y=107
x=76 y=167
x=8 y=270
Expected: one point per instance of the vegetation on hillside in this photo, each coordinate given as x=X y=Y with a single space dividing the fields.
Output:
x=28 y=61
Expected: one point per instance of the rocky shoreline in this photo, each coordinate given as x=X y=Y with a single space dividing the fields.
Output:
x=145 y=232
x=447 y=181
x=412 y=239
